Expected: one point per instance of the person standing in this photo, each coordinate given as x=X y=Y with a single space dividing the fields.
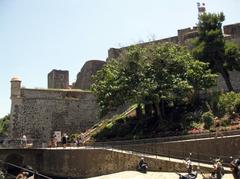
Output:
x=217 y=124
x=54 y=140
x=64 y=140
x=24 y=141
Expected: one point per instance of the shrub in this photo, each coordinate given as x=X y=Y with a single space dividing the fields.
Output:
x=195 y=125
x=225 y=122
x=207 y=119
x=229 y=102
x=72 y=138
x=4 y=125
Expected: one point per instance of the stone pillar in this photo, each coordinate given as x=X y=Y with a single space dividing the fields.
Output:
x=15 y=103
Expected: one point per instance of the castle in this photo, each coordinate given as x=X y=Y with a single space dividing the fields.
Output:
x=38 y=113
x=231 y=32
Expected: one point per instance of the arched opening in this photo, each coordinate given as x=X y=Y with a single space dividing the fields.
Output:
x=15 y=159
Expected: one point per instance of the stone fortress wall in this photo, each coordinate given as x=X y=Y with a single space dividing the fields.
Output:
x=90 y=68
x=41 y=112
x=37 y=113
x=58 y=79
x=231 y=33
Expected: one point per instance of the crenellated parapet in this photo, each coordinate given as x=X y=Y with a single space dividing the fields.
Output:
x=231 y=32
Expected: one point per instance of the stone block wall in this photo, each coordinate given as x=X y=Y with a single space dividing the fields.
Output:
x=89 y=69
x=233 y=30
x=234 y=78
x=201 y=149
x=82 y=163
x=58 y=79
x=183 y=35
x=116 y=52
x=41 y=112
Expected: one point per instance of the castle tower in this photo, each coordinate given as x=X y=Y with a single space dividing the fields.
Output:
x=15 y=88
x=84 y=77
x=58 y=79
x=16 y=103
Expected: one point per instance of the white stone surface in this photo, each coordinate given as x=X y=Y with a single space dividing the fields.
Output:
x=148 y=175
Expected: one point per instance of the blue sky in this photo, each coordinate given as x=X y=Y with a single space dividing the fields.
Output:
x=37 y=36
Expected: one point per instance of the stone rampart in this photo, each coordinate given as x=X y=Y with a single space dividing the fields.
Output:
x=89 y=69
x=38 y=113
x=115 y=52
x=232 y=32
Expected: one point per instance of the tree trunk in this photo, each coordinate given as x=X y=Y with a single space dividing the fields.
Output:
x=226 y=78
x=139 y=112
x=223 y=72
x=195 y=97
x=148 y=110
x=157 y=110
x=162 y=103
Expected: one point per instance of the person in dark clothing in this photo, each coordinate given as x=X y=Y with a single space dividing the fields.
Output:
x=218 y=170
x=142 y=165
x=235 y=167
x=190 y=173
x=64 y=140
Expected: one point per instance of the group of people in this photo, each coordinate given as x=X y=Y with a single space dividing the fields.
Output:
x=64 y=140
x=217 y=172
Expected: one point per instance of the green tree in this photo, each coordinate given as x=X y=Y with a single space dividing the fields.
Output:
x=211 y=47
x=173 y=76
x=4 y=124
x=107 y=87
x=157 y=75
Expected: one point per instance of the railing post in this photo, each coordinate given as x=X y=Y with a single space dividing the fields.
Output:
x=169 y=154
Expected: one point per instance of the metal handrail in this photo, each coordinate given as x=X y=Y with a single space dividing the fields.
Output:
x=169 y=138
x=34 y=172
x=16 y=143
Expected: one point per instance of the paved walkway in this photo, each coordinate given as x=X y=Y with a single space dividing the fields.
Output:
x=148 y=175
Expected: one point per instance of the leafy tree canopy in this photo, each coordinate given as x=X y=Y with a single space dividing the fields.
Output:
x=4 y=124
x=211 y=47
x=157 y=73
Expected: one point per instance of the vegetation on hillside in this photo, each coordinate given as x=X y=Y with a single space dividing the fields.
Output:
x=170 y=86
x=159 y=79
x=4 y=124
x=163 y=75
x=181 y=119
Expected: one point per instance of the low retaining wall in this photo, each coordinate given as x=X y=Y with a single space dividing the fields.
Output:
x=201 y=149
x=77 y=163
